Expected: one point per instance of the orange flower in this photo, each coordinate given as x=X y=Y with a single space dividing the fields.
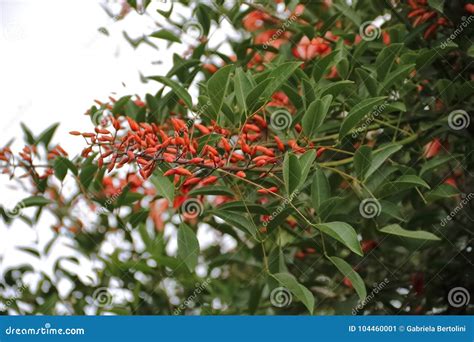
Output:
x=469 y=8
x=309 y=49
x=255 y=20
x=432 y=148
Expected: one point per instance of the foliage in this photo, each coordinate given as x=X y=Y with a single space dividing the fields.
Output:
x=324 y=154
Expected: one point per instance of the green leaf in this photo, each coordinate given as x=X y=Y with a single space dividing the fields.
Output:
x=34 y=201
x=254 y=98
x=358 y=112
x=410 y=180
x=321 y=65
x=217 y=86
x=29 y=138
x=188 y=246
x=243 y=207
x=306 y=162
x=380 y=156
x=176 y=87
x=167 y=35
x=212 y=190
x=242 y=87
x=60 y=168
x=164 y=187
x=343 y=233
x=437 y=5
x=280 y=75
x=395 y=229
x=139 y=217
x=315 y=115
x=362 y=161
x=353 y=276
x=386 y=59
x=299 y=291
x=46 y=136
x=237 y=220
x=87 y=174
x=348 y=12
x=308 y=91
x=291 y=172
x=442 y=191
x=397 y=75
x=369 y=82
x=30 y=250
x=320 y=189
x=335 y=88
x=470 y=51
x=434 y=163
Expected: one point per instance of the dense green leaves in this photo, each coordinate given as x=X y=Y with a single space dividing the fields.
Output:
x=386 y=59
x=360 y=124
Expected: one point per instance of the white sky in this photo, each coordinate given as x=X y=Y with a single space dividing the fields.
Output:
x=53 y=63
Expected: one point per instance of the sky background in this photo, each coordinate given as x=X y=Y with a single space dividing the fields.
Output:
x=54 y=62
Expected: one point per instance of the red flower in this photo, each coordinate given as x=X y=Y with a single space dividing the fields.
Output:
x=368 y=245
x=255 y=20
x=469 y=8
x=309 y=49
x=432 y=148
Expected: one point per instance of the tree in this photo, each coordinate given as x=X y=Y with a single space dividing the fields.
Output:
x=330 y=154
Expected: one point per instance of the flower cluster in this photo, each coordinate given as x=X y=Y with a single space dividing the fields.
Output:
x=421 y=13
x=190 y=153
